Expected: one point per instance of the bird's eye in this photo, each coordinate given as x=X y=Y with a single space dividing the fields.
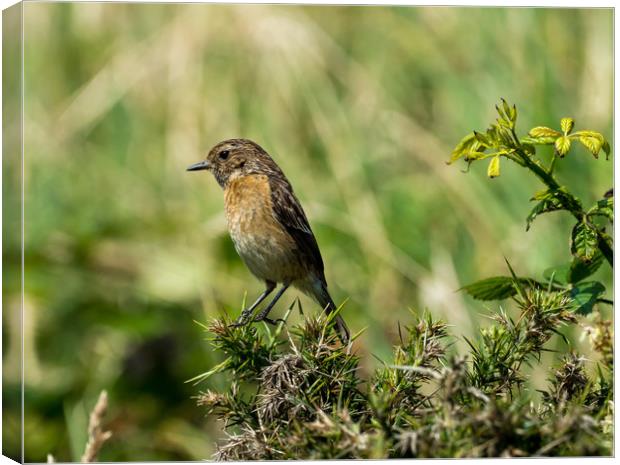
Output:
x=224 y=154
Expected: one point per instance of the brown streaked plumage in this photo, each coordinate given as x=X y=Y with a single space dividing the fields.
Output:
x=268 y=227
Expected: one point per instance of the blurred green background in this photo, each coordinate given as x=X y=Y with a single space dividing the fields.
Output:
x=360 y=106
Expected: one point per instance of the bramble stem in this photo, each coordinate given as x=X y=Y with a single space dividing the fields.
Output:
x=571 y=205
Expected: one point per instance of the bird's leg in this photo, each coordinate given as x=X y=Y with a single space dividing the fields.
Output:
x=262 y=316
x=247 y=313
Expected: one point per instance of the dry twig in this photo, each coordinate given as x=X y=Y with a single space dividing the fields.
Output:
x=96 y=436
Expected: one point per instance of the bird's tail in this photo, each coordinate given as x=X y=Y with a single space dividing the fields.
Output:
x=328 y=304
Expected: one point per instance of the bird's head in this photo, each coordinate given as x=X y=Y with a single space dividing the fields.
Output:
x=234 y=158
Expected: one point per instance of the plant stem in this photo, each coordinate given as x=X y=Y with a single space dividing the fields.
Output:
x=552 y=164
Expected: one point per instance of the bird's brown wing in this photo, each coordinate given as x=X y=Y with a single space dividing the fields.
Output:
x=290 y=215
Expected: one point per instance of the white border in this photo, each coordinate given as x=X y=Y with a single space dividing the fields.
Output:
x=508 y=3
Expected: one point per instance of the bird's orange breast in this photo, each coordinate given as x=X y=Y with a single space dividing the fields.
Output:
x=260 y=240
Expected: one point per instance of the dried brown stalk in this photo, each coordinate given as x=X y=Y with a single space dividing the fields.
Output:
x=96 y=436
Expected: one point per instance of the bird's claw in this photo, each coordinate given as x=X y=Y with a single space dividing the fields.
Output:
x=243 y=320
x=237 y=324
x=270 y=321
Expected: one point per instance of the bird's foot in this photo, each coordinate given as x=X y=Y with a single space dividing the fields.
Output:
x=269 y=320
x=237 y=324
x=243 y=319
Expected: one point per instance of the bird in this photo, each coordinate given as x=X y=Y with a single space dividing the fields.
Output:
x=268 y=227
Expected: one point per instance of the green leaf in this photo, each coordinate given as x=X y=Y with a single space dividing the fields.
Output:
x=594 y=134
x=567 y=125
x=607 y=149
x=604 y=207
x=538 y=140
x=483 y=139
x=562 y=145
x=580 y=270
x=493 y=170
x=593 y=141
x=466 y=144
x=505 y=113
x=546 y=205
x=512 y=113
x=593 y=144
x=506 y=107
x=471 y=155
x=509 y=113
x=492 y=134
x=543 y=131
x=559 y=274
x=504 y=135
x=585 y=294
x=607 y=238
x=551 y=200
x=541 y=195
x=584 y=242
x=496 y=288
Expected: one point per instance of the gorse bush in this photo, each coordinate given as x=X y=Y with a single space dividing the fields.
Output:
x=296 y=393
x=307 y=400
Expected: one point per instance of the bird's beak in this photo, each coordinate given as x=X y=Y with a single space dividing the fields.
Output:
x=201 y=165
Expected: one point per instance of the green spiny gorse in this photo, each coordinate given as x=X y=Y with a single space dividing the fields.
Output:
x=309 y=401
x=296 y=393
